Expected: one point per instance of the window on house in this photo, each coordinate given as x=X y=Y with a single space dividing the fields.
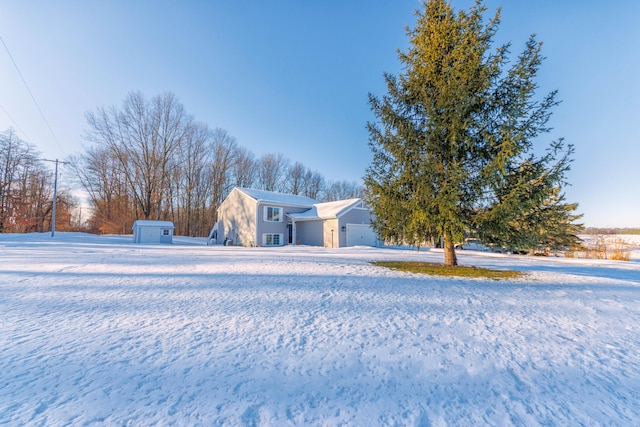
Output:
x=165 y=232
x=272 y=239
x=272 y=214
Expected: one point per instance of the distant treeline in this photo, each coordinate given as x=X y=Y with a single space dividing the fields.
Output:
x=26 y=190
x=595 y=230
x=149 y=159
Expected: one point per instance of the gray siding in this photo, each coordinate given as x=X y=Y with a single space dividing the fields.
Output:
x=356 y=216
x=309 y=233
x=266 y=227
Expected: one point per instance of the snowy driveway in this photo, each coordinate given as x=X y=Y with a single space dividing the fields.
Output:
x=98 y=331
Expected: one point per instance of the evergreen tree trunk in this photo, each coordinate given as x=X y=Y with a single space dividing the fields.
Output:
x=450 y=258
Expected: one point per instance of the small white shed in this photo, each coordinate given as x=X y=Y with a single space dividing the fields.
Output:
x=147 y=231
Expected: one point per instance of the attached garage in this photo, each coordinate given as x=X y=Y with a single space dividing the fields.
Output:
x=145 y=231
x=361 y=235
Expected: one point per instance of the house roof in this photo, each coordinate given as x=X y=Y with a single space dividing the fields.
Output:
x=263 y=196
x=315 y=210
x=327 y=210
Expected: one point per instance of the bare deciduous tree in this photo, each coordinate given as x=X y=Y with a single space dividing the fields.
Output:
x=296 y=177
x=190 y=184
x=338 y=190
x=223 y=155
x=26 y=188
x=103 y=178
x=272 y=170
x=313 y=184
x=244 y=168
x=143 y=136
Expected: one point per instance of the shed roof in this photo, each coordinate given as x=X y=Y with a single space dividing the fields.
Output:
x=263 y=196
x=150 y=223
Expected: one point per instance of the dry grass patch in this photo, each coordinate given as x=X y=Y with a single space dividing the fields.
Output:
x=603 y=247
x=619 y=250
x=435 y=269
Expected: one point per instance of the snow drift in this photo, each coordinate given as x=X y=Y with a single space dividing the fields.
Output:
x=97 y=330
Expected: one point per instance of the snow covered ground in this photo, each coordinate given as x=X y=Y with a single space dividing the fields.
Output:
x=99 y=331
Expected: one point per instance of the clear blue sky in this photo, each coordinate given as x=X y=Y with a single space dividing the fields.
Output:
x=292 y=76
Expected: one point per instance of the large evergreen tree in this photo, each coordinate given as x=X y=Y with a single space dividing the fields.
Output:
x=453 y=141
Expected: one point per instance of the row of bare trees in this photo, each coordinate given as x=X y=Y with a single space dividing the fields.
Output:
x=149 y=159
x=26 y=190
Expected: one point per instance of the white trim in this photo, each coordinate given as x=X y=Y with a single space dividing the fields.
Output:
x=274 y=209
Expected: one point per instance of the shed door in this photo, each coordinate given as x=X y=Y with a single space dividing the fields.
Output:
x=360 y=235
x=149 y=235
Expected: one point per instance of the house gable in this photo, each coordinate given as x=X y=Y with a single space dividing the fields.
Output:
x=237 y=220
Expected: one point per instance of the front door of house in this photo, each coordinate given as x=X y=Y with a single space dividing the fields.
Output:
x=290 y=229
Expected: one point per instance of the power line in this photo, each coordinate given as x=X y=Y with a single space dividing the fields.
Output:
x=16 y=124
x=31 y=94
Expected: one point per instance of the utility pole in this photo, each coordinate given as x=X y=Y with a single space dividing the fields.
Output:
x=55 y=195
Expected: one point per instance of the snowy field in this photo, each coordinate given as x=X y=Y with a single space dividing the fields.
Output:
x=99 y=331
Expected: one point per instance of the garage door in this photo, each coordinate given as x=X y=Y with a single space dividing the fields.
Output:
x=360 y=235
